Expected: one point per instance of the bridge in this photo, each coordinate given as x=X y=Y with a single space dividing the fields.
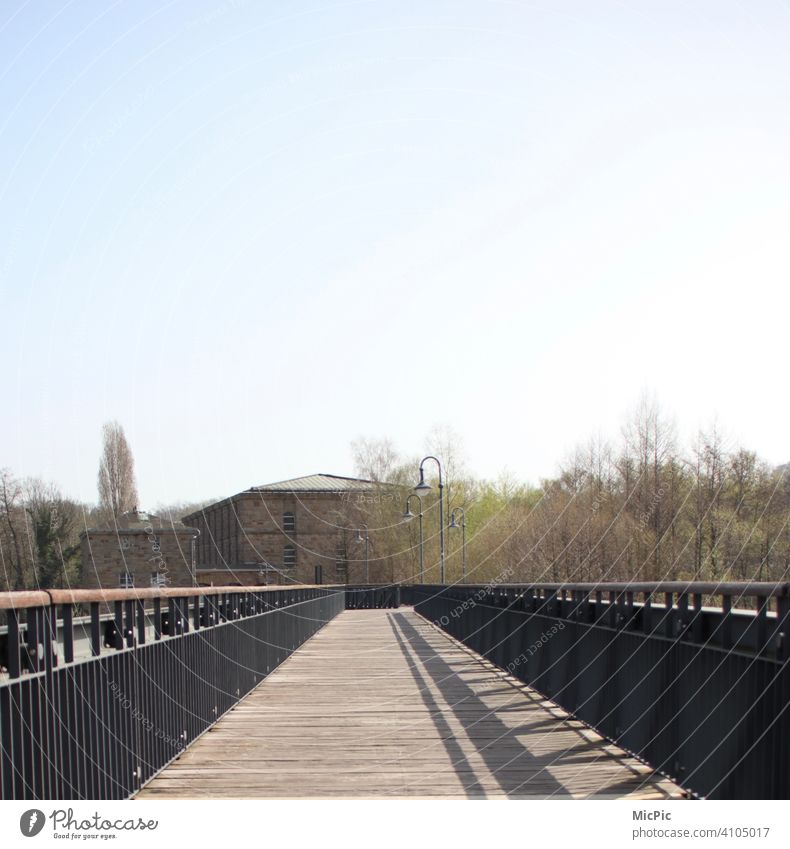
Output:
x=640 y=691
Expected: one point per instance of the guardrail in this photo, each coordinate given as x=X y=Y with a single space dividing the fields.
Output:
x=370 y=596
x=102 y=726
x=699 y=691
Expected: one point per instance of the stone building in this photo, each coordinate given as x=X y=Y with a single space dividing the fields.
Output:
x=302 y=530
x=142 y=551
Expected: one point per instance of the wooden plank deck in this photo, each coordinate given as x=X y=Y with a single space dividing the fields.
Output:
x=380 y=703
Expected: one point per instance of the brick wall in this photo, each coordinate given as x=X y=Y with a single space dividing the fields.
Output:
x=255 y=527
x=108 y=554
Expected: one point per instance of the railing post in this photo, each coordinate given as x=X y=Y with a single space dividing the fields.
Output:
x=762 y=624
x=669 y=616
x=96 y=639
x=698 y=623
x=32 y=635
x=726 y=622
x=612 y=618
x=782 y=624
x=118 y=625
x=12 y=619
x=129 y=634
x=67 y=615
x=683 y=615
x=140 y=608
x=157 y=619
x=647 y=613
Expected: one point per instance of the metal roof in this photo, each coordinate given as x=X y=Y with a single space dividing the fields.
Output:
x=315 y=483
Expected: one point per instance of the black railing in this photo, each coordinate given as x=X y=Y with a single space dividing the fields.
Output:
x=682 y=675
x=80 y=722
x=674 y=673
x=370 y=596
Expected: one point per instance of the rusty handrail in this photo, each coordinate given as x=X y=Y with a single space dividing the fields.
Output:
x=22 y=599
x=763 y=589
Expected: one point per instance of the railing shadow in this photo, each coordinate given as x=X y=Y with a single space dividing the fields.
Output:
x=493 y=741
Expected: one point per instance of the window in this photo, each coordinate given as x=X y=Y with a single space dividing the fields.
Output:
x=289 y=521
x=289 y=556
x=124 y=543
x=159 y=579
x=126 y=580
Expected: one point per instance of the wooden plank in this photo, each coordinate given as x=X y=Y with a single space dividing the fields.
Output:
x=380 y=704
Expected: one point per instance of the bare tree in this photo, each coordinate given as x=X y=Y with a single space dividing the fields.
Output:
x=117 y=486
x=52 y=531
x=12 y=528
x=374 y=459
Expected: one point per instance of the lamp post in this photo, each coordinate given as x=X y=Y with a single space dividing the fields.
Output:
x=454 y=524
x=407 y=517
x=366 y=540
x=424 y=486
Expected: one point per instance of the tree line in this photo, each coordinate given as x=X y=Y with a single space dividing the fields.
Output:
x=642 y=508
x=639 y=509
x=40 y=527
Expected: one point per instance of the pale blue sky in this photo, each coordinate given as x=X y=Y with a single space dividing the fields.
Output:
x=253 y=231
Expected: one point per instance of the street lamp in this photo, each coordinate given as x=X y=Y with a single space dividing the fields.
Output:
x=454 y=524
x=407 y=517
x=366 y=540
x=422 y=487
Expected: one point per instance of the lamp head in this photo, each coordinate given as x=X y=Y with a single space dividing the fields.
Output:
x=453 y=523
x=423 y=485
x=360 y=538
x=407 y=514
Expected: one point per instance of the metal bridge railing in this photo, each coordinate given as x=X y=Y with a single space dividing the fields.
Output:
x=81 y=721
x=674 y=673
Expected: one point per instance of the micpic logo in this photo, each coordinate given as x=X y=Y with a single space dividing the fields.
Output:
x=31 y=822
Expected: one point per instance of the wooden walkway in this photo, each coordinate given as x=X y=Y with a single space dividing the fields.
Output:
x=382 y=704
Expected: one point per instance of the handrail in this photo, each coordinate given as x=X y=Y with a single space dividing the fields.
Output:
x=22 y=599
x=763 y=589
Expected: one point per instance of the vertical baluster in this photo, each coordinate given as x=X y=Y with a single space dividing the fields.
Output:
x=157 y=618
x=129 y=633
x=726 y=622
x=683 y=615
x=31 y=638
x=782 y=625
x=50 y=637
x=140 y=608
x=96 y=639
x=762 y=624
x=118 y=625
x=67 y=615
x=647 y=613
x=698 y=622
x=12 y=620
x=669 y=616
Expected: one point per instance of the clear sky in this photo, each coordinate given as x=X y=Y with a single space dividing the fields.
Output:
x=254 y=231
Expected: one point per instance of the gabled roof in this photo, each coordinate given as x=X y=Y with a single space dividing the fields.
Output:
x=319 y=482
